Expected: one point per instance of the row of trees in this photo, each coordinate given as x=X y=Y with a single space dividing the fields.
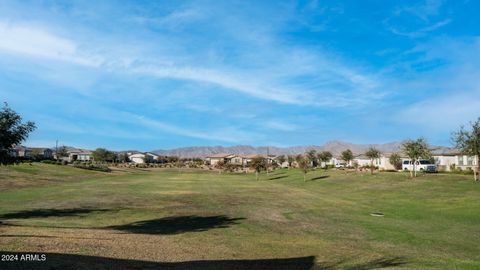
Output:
x=13 y=131
x=415 y=150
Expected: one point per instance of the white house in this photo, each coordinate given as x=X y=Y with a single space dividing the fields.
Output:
x=151 y=157
x=383 y=163
x=270 y=159
x=137 y=158
x=79 y=154
x=140 y=158
x=450 y=159
x=362 y=160
x=221 y=157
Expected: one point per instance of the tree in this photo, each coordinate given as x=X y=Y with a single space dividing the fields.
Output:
x=415 y=150
x=281 y=159
x=62 y=152
x=172 y=159
x=372 y=154
x=219 y=165
x=37 y=154
x=304 y=164
x=468 y=142
x=356 y=165
x=290 y=160
x=258 y=164
x=103 y=155
x=312 y=157
x=325 y=157
x=347 y=156
x=122 y=157
x=298 y=158
x=12 y=132
x=396 y=161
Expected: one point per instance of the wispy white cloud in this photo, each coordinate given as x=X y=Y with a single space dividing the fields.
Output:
x=35 y=42
x=267 y=83
x=171 y=20
x=226 y=134
x=424 y=10
x=421 y=31
x=452 y=89
x=244 y=85
x=443 y=113
x=417 y=20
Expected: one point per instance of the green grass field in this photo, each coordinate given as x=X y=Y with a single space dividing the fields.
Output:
x=173 y=219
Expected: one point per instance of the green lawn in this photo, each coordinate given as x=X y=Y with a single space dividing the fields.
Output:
x=205 y=220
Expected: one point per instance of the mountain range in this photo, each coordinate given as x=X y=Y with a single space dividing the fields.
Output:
x=335 y=147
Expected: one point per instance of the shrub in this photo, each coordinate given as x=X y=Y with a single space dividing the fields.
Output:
x=48 y=161
x=58 y=162
x=92 y=167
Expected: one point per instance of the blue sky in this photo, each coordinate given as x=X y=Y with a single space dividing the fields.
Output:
x=163 y=74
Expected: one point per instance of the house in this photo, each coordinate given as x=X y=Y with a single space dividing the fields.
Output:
x=137 y=158
x=465 y=162
x=140 y=158
x=22 y=152
x=235 y=160
x=362 y=161
x=43 y=153
x=31 y=152
x=13 y=153
x=332 y=162
x=271 y=159
x=446 y=159
x=78 y=155
x=450 y=159
x=248 y=158
x=382 y=163
x=152 y=157
x=222 y=157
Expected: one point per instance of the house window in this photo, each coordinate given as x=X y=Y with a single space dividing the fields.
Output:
x=470 y=161
x=460 y=160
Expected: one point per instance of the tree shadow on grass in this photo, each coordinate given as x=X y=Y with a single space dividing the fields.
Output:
x=82 y=262
x=278 y=177
x=319 y=177
x=177 y=225
x=43 y=213
x=379 y=263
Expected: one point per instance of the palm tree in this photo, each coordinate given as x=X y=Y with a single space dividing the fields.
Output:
x=324 y=156
x=372 y=154
x=416 y=149
x=468 y=141
x=258 y=164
